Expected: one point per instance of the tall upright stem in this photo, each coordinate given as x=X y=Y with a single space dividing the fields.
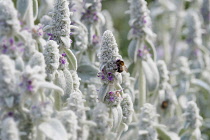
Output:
x=142 y=85
x=180 y=5
x=29 y=15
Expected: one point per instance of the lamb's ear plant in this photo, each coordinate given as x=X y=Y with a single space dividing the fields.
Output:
x=147 y=123
x=9 y=98
x=44 y=125
x=59 y=30
x=163 y=14
x=141 y=49
x=70 y=122
x=111 y=92
x=102 y=130
x=205 y=13
x=53 y=87
x=193 y=122
x=196 y=51
x=9 y=130
x=93 y=19
x=167 y=104
x=9 y=19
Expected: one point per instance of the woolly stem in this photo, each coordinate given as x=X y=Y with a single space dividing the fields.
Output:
x=142 y=85
x=176 y=31
x=29 y=15
x=166 y=47
x=120 y=130
x=91 y=54
x=57 y=98
x=39 y=135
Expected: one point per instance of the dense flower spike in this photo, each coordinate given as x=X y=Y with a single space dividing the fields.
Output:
x=111 y=65
x=91 y=13
x=60 y=25
x=7 y=72
x=11 y=47
x=192 y=122
x=113 y=98
x=193 y=119
x=164 y=73
x=101 y=118
x=109 y=49
x=69 y=120
x=41 y=111
x=140 y=21
x=8 y=95
x=194 y=30
x=9 y=129
x=127 y=108
x=51 y=54
x=9 y=24
x=147 y=121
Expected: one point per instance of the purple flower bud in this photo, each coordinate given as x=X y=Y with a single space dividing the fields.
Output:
x=111 y=98
x=64 y=54
x=11 y=40
x=10 y=114
x=30 y=88
x=63 y=61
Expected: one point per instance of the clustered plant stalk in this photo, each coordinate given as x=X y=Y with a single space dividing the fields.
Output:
x=62 y=76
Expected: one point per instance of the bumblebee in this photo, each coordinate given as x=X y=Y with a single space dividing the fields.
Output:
x=164 y=104
x=121 y=66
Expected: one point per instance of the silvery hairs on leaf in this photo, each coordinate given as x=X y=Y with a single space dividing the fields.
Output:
x=69 y=120
x=51 y=55
x=146 y=123
x=9 y=129
x=59 y=27
x=8 y=19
